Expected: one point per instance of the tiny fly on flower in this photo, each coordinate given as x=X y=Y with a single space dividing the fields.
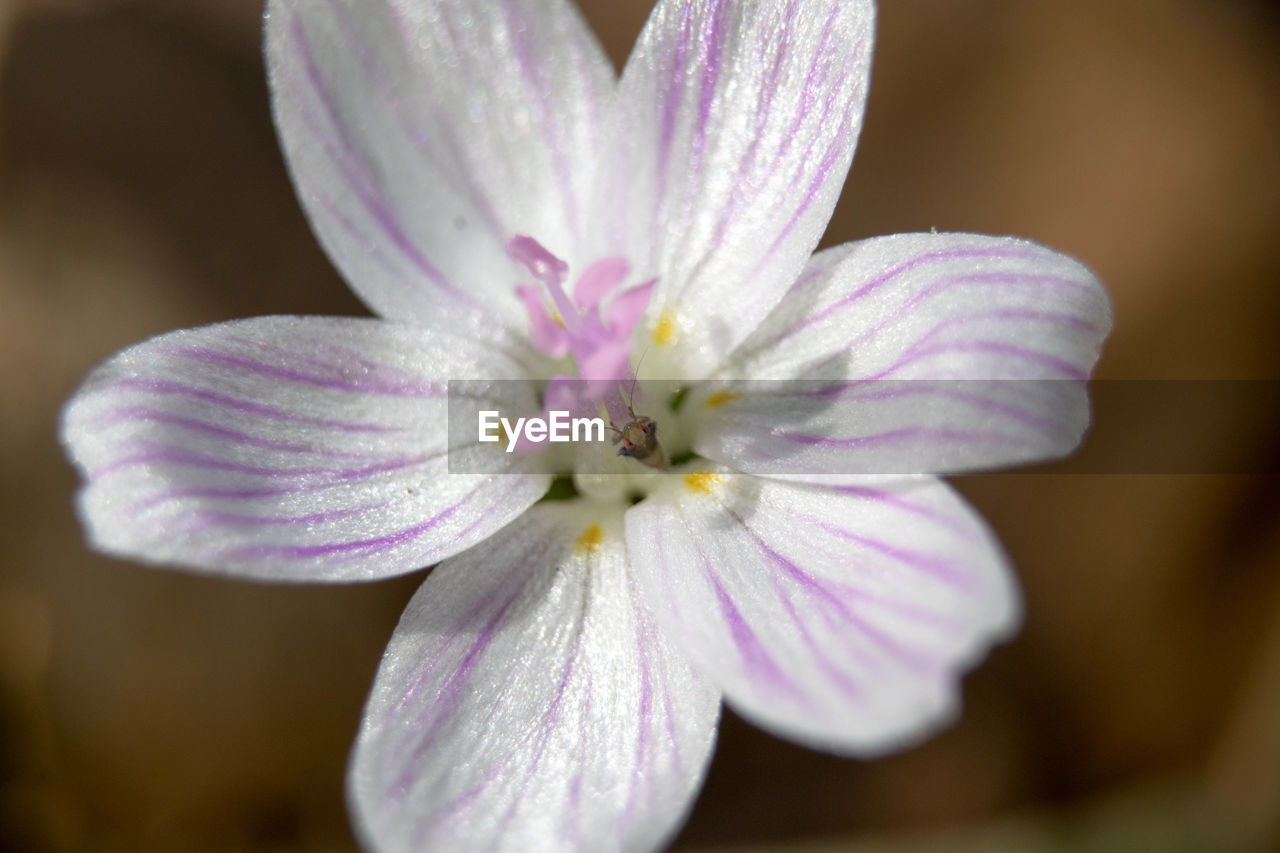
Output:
x=639 y=440
x=639 y=436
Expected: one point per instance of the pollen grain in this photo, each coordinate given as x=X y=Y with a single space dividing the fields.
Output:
x=591 y=539
x=701 y=482
x=720 y=398
x=665 y=329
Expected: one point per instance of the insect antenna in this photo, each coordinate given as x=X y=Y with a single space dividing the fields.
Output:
x=635 y=377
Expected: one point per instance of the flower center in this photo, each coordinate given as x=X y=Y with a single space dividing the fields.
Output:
x=594 y=326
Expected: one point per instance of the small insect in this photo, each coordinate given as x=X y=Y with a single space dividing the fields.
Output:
x=639 y=440
x=639 y=436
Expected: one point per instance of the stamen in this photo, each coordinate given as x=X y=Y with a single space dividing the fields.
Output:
x=548 y=269
x=590 y=540
x=664 y=330
x=721 y=398
x=598 y=280
x=547 y=335
x=544 y=266
x=701 y=482
x=599 y=340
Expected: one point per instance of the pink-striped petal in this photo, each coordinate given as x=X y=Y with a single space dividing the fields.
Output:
x=422 y=137
x=915 y=353
x=841 y=614
x=736 y=126
x=300 y=449
x=528 y=702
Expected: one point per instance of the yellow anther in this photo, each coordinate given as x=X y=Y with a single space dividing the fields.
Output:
x=591 y=539
x=701 y=482
x=664 y=330
x=719 y=398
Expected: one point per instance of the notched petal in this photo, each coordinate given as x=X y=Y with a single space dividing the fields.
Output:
x=293 y=449
x=737 y=123
x=528 y=702
x=422 y=137
x=837 y=613
x=917 y=353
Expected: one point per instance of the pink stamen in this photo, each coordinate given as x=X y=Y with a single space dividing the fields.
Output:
x=549 y=270
x=548 y=336
x=628 y=307
x=597 y=280
x=599 y=341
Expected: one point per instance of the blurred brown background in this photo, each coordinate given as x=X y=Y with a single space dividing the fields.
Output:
x=141 y=189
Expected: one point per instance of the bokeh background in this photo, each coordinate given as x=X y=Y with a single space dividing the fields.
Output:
x=141 y=189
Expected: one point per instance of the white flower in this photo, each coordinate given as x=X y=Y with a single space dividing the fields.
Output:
x=556 y=681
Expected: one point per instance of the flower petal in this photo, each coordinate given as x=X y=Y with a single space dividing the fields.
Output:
x=423 y=136
x=289 y=449
x=528 y=702
x=916 y=353
x=737 y=123
x=837 y=614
